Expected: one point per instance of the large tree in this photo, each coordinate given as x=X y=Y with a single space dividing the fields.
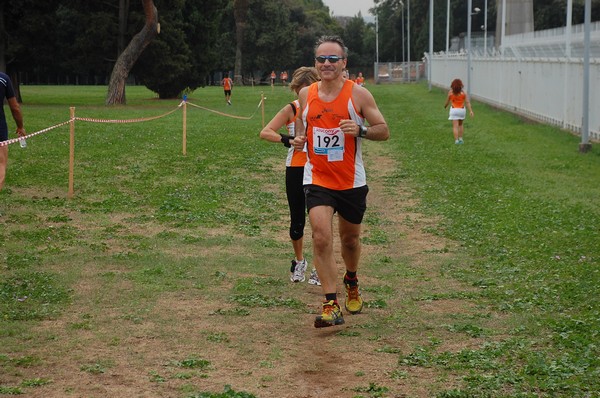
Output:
x=129 y=56
x=277 y=34
x=273 y=45
x=20 y=33
x=312 y=20
x=240 y=14
x=182 y=56
x=355 y=32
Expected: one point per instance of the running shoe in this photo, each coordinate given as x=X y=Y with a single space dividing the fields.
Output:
x=297 y=270
x=354 y=302
x=331 y=315
x=314 y=278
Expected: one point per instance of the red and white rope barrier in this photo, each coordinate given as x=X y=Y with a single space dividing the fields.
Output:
x=227 y=114
x=14 y=140
x=142 y=119
x=136 y=120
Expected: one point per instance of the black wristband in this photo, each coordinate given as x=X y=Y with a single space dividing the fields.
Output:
x=285 y=140
x=362 y=131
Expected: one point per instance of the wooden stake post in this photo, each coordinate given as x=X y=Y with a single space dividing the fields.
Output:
x=71 y=152
x=262 y=107
x=184 y=127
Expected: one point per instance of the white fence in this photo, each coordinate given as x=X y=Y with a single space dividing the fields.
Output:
x=395 y=72
x=547 y=89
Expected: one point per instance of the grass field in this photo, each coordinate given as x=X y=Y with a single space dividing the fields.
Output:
x=166 y=275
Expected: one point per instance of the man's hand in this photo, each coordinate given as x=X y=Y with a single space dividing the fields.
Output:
x=298 y=142
x=349 y=126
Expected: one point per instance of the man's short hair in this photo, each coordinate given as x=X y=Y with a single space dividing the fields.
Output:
x=332 y=39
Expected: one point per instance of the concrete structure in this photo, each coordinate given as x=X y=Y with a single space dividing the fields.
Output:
x=519 y=18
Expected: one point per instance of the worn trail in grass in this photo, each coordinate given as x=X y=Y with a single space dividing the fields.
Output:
x=167 y=276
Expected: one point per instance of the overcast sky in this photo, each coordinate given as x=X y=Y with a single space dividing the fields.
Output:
x=349 y=8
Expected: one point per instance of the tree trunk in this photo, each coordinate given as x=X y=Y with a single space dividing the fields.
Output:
x=123 y=13
x=128 y=58
x=240 y=12
x=2 y=39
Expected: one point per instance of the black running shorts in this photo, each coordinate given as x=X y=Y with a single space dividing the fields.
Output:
x=351 y=204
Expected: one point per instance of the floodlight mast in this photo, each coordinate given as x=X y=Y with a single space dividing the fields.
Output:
x=377 y=38
x=471 y=13
x=430 y=41
x=408 y=38
x=585 y=145
x=485 y=29
x=447 y=27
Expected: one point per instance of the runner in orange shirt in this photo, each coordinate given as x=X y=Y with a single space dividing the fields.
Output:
x=332 y=129
x=294 y=172
x=458 y=98
x=360 y=80
x=227 y=84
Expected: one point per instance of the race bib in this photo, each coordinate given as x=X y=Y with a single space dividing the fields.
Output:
x=329 y=142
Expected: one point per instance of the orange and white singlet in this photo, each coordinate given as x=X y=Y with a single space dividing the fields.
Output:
x=334 y=158
x=294 y=158
x=458 y=100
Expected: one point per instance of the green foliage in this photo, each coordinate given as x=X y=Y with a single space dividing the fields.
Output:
x=228 y=392
x=31 y=295
x=94 y=368
x=231 y=312
x=220 y=337
x=553 y=13
x=273 y=44
x=175 y=61
x=155 y=377
x=373 y=390
x=193 y=363
x=354 y=36
x=24 y=362
x=196 y=40
x=37 y=382
x=7 y=390
x=199 y=38
x=259 y=300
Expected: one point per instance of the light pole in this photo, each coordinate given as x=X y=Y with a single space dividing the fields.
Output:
x=447 y=28
x=471 y=13
x=430 y=42
x=377 y=39
x=503 y=28
x=402 y=28
x=585 y=145
x=408 y=38
x=376 y=47
x=485 y=29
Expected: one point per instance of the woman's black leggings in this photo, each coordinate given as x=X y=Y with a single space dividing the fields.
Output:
x=296 y=202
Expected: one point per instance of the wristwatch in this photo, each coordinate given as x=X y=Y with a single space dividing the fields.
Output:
x=362 y=133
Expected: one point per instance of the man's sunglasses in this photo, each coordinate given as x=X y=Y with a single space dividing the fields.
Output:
x=331 y=58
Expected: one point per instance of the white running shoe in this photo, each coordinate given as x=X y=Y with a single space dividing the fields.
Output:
x=297 y=270
x=314 y=278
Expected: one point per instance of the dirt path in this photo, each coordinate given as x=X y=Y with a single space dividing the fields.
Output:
x=275 y=353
